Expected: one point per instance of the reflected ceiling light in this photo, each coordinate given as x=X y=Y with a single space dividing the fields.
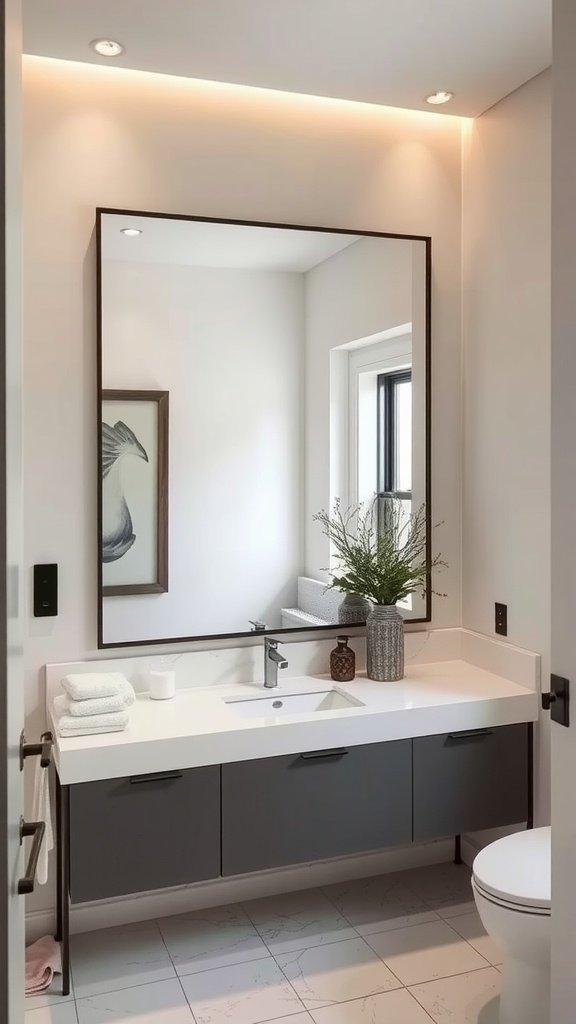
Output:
x=437 y=98
x=107 y=47
x=130 y=232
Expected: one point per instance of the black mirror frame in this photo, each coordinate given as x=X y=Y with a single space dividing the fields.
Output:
x=330 y=630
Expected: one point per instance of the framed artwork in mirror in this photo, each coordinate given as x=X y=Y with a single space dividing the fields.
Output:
x=133 y=499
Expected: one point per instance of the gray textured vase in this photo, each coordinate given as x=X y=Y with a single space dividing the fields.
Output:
x=385 y=643
x=353 y=609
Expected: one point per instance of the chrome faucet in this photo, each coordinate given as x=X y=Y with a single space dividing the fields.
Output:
x=272 y=662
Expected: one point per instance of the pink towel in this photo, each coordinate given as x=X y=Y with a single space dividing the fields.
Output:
x=43 y=961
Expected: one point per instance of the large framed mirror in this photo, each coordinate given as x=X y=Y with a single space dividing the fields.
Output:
x=249 y=375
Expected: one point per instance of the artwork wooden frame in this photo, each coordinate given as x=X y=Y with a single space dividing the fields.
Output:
x=113 y=442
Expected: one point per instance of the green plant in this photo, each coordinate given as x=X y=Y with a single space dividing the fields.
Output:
x=381 y=549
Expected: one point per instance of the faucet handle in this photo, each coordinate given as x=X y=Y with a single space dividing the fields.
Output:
x=270 y=641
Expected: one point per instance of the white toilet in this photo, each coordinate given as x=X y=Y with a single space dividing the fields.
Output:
x=511 y=881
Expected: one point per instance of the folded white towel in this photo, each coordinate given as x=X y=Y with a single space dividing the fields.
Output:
x=90 y=685
x=41 y=811
x=126 y=689
x=64 y=705
x=68 y=725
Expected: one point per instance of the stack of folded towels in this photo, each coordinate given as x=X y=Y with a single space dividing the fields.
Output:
x=93 y=702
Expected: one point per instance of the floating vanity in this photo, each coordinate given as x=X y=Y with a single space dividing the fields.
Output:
x=221 y=782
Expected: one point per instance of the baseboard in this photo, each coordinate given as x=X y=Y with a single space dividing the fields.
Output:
x=473 y=842
x=88 y=917
x=468 y=850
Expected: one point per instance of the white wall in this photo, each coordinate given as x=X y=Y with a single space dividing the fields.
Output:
x=506 y=380
x=563 y=506
x=228 y=346
x=107 y=137
x=104 y=136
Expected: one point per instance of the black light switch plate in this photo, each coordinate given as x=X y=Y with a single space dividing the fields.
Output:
x=501 y=619
x=45 y=590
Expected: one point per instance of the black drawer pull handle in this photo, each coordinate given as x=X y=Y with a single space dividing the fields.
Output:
x=42 y=749
x=36 y=829
x=323 y=755
x=155 y=777
x=469 y=734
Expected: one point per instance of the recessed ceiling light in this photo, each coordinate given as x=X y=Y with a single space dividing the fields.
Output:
x=107 y=47
x=130 y=232
x=437 y=98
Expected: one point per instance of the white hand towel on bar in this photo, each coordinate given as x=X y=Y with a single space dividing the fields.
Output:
x=68 y=725
x=41 y=812
x=63 y=705
x=90 y=685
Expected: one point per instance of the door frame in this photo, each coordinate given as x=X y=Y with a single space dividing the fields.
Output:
x=11 y=516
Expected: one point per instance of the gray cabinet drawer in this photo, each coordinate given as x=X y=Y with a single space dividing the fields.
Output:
x=304 y=807
x=468 y=781
x=145 y=832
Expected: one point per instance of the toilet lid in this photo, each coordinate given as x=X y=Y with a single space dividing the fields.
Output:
x=517 y=868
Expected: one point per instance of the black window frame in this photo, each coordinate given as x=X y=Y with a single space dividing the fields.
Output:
x=386 y=474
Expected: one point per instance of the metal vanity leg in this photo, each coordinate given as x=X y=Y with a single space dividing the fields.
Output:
x=58 y=793
x=457 y=849
x=530 y=822
x=63 y=881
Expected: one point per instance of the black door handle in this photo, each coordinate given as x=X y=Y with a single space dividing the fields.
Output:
x=155 y=777
x=323 y=755
x=42 y=749
x=36 y=829
x=557 y=701
x=469 y=734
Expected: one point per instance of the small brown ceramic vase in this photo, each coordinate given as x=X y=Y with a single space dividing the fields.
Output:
x=342 y=662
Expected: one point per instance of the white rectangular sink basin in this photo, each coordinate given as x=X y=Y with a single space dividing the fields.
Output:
x=292 y=704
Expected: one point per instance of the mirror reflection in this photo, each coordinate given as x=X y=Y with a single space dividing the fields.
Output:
x=251 y=375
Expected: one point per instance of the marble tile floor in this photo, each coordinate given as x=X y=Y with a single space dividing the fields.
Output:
x=403 y=948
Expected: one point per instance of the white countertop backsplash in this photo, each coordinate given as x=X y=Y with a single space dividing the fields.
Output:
x=311 y=657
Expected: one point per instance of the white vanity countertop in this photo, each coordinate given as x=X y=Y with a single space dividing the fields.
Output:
x=198 y=728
